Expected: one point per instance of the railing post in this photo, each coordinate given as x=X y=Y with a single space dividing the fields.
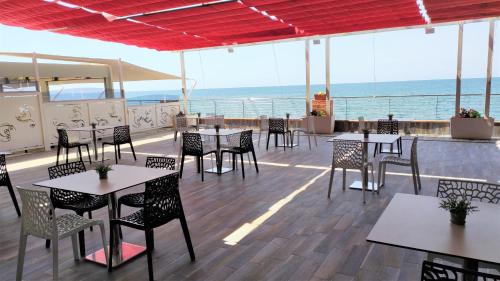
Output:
x=346 y=110
x=272 y=107
x=389 y=105
x=243 y=105
x=437 y=105
x=215 y=107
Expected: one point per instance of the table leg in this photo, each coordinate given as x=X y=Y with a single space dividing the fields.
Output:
x=365 y=170
x=218 y=157
x=94 y=140
x=122 y=252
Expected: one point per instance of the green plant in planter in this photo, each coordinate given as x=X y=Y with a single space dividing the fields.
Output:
x=458 y=207
x=102 y=170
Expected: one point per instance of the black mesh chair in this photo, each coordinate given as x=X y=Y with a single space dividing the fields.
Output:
x=63 y=142
x=136 y=200
x=121 y=135
x=440 y=272
x=5 y=181
x=386 y=126
x=277 y=127
x=162 y=204
x=192 y=145
x=246 y=146
x=70 y=200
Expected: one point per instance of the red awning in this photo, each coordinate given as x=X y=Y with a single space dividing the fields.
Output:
x=186 y=24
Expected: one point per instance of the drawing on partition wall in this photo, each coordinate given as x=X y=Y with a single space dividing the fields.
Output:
x=142 y=118
x=6 y=130
x=75 y=120
x=101 y=121
x=24 y=115
x=114 y=113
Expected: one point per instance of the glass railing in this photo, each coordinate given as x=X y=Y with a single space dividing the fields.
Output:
x=414 y=107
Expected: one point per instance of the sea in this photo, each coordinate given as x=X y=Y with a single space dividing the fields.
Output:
x=413 y=100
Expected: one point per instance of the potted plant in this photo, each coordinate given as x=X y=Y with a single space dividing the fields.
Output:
x=102 y=170
x=469 y=124
x=217 y=128
x=458 y=207
x=320 y=96
x=366 y=133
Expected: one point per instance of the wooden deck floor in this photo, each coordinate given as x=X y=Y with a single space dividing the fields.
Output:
x=275 y=225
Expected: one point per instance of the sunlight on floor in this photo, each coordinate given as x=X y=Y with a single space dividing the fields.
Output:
x=240 y=233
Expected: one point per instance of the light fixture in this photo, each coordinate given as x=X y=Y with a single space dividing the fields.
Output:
x=230 y=50
x=316 y=42
x=429 y=30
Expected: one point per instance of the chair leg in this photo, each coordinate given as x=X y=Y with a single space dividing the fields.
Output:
x=242 y=165
x=379 y=175
x=58 y=152
x=116 y=154
x=332 y=172
x=375 y=150
x=20 y=256
x=315 y=140
x=47 y=243
x=14 y=200
x=111 y=247
x=268 y=136
x=81 y=238
x=344 y=173
x=275 y=140
x=133 y=151
x=90 y=217
x=258 y=143
x=119 y=152
x=102 y=149
x=149 y=253
x=284 y=141
x=182 y=165
x=414 y=177
x=255 y=161
x=80 y=153
x=74 y=243
x=309 y=141
x=384 y=168
x=187 y=237
x=103 y=238
x=55 y=259
x=198 y=164
x=175 y=136
x=202 y=169
x=373 y=182
x=67 y=154
x=418 y=176
x=88 y=153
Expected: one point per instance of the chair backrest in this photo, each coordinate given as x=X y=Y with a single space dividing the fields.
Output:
x=162 y=201
x=63 y=139
x=233 y=140
x=386 y=126
x=191 y=144
x=4 y=175
x=246 y=141
x=121 y=134
x=469 y=190
x=38 y=213
x=264 y=123
x=276 y=125
x=60 y=197
x=166 y=163
x=361 y=124
x=439 y=272
x=347 y=154
x=181 y=123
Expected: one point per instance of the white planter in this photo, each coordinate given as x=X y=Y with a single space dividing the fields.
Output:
x=322 y=124
x=472 y=128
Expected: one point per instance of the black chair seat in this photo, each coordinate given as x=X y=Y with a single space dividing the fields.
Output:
x=136 y=219
x=89 y=203
x=132 y=200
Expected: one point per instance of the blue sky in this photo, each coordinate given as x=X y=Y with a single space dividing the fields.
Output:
x=386 y=56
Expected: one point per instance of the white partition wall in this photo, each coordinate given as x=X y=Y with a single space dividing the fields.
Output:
x=165 y=113
x=142 y=117
x=20 y=125
x=107 y=113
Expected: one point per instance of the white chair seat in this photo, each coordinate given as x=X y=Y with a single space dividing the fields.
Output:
x=396 y=160
x=69 y=224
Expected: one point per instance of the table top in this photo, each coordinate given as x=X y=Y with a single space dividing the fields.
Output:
x=222 y=132
x=121 y=177
x=416 y=222
x=89 y=128
x=373 y=138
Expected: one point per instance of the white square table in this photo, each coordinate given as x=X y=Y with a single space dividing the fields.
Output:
x=372 y=138
x=224 y=133
x=121 y=177
x=416 y=222
x=92 y=130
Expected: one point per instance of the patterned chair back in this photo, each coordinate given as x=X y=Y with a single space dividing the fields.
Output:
x=264 y=123
x=440 y=272
x=166 y=163
x=276 y=125
x=192 y=144
x=38 y=218
x=63 y=139
x=246 y=141
x=347 y=154
x=181 y=123
x=470 y=190
x=61 y=197
x=385 y=126
x=162 y=201
x=4 y=175
x=121 y=134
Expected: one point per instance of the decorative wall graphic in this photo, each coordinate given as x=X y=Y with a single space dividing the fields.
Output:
x=20 y=124
x=75 y=120
x=107 y=113
x=142 y=117
x=113 y=113
x=65 y=116
x=25 y=115
x=6 y=130
x=165 y=113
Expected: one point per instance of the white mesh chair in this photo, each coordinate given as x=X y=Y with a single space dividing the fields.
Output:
x=307 y=129
x=263 y=126
x=180 y=125
x=38 y=219
x=348 y=155
x=361 y=124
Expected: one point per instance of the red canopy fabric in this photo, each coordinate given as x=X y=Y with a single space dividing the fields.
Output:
x=188 y=26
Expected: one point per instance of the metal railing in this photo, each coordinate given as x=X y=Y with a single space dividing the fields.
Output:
x=422 y=107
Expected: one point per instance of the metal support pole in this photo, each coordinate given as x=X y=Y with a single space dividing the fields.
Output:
x=459 y=68
x=184 y=87
x=46 y=142
x=491 y=42
x=120 y=77
x=327 y=72
x=308 y=80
